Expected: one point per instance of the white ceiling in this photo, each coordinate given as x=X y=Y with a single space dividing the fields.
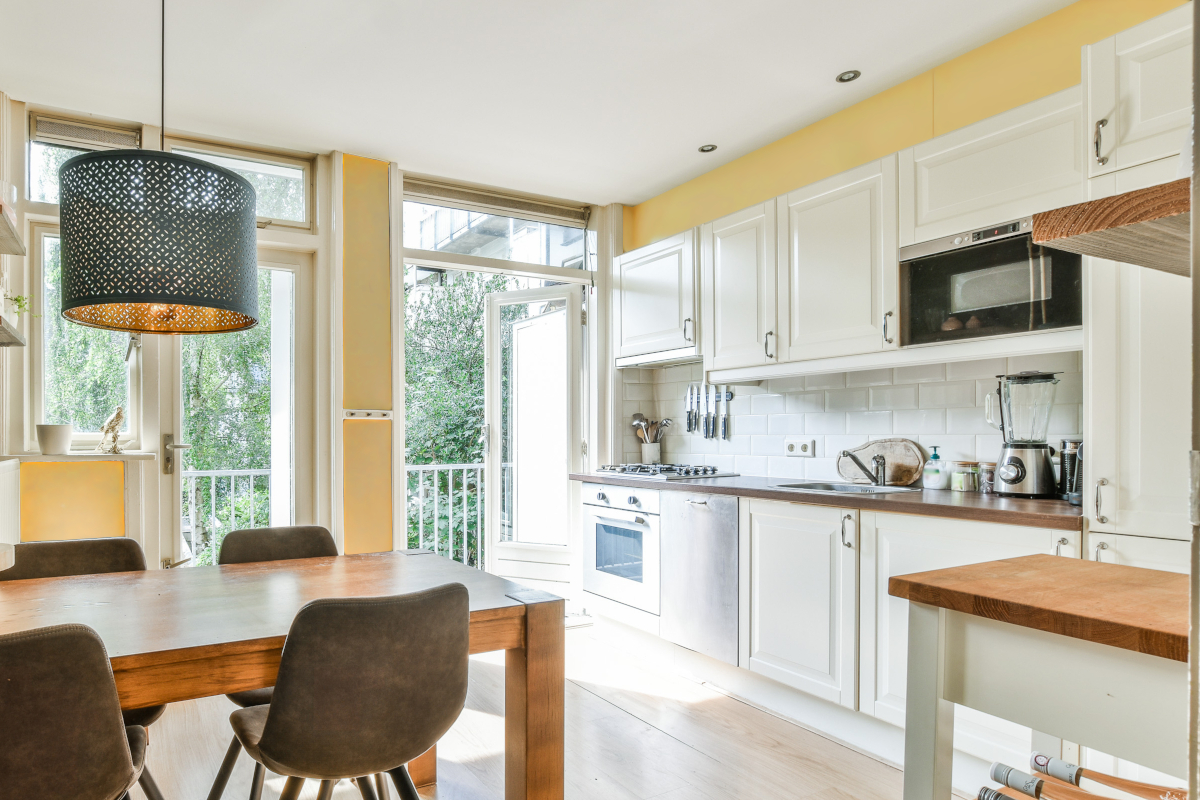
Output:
x=602 y=101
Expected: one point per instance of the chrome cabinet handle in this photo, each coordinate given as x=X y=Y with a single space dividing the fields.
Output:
x=1059 y=545
x=698 y=502
x=885 y=321
x=766 y=339
x=1100 y=517
x=1101 y=160
x=639 y=520
x=687 y=338
x=1100 y=546
x=844 y=542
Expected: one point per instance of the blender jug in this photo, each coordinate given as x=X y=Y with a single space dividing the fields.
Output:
x=1025 y=401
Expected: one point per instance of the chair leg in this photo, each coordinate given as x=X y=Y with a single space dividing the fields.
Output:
x=381 y=787
x=326 y=790
x=218 y=787
x=256 y=783
x=404 y=783
x=146 y=781
x=291 y=789
x=365 y=788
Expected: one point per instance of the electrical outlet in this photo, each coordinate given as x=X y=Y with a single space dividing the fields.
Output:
x=800 y=448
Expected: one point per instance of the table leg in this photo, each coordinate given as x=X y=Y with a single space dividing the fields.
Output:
x=423 y=768
x=534 y=695
x=928 y=719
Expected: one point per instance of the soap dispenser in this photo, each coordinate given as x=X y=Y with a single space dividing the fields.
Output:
x=937 y=472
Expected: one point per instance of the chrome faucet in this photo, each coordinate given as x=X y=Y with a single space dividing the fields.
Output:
x=879 y=476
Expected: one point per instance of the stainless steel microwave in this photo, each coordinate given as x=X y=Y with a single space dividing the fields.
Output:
x=988 y=282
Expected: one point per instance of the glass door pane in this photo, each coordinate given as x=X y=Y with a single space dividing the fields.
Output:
x=238 y=410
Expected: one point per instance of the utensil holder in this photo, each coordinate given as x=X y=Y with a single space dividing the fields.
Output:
x=54 y=440
x=652 y=453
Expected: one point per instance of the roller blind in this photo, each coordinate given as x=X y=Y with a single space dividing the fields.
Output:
x=444 y=194
x=84 y=135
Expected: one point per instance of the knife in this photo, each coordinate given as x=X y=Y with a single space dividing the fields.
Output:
x=725 y=412
x=710 y=400
x=693 y=405
x=687 y=406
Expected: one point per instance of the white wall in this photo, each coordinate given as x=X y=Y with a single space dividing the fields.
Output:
x=940 y=404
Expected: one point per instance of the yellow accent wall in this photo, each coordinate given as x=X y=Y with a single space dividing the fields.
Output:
x=366 y=355
x=79 y=500
x=1031 y=62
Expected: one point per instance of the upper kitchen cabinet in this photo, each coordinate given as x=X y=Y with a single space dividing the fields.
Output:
x=1137 y=394
x=1138 y=89
x=837 y=265
x=738 y=294
x=1003 y=168
x=656 y=302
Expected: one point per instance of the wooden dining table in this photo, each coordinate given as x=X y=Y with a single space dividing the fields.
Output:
x=182 y=634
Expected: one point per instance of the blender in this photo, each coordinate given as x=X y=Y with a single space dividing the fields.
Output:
x=1025 y=400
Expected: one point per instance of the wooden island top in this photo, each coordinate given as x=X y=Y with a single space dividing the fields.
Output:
x=1137 y=609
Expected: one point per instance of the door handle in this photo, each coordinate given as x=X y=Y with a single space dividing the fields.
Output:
x=169 y=448
x=1058 y=546
x=1101 y=160
x=698 y=502
x=844 y=542
x=885 y=322
x=1100 y=546
x=1100 y=517
x=766 y=339
x=687 y=338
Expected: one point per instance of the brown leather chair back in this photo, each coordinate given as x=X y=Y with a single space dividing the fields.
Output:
x=60 y=719
x=367 y=684
x=276 y=544
x=58 y=559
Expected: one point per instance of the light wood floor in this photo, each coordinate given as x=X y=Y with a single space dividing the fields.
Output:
x=632 y=734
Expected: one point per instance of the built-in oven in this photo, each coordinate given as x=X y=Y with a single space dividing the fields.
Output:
x=988 y=282
x=621 y=545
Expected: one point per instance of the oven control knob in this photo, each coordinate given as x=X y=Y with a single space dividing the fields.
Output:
x=958 y=240
x=602 y=497
x=1013 y=471
x=633 y=501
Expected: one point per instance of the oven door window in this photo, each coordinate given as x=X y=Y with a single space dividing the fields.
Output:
x=619 y=551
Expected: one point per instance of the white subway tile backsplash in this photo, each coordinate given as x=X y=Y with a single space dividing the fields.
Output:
x=821 y=469
x=748 y=424
x=894 y=397
x=846 y=400
x=639 y=391
x=921 y=373
x=785 y=385
x=824 y=423
x=869 y=377
x=1047 y=362
x=987 y=448
x=735 y=446
x=834 y=445
x=723 y=463
x=1064 y=419
x=967 y=420
x=785 y=423
x=976 y=370
x=768 y=404
x=766 y=445
x=739 y=405
x=833 y=380
x=750 y=465
x=781 y=467
x=908 y=422
x=869 y=422
x=951 y=448
x=959 y=394
x=1070 y=388
x=806 y=402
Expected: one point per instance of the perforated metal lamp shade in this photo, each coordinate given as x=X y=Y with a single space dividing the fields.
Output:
x=156 y=242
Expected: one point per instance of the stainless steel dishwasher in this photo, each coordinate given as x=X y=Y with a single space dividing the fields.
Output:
x=699 y=573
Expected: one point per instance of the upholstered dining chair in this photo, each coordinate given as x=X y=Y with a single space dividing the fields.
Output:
x=67 y=557
x=61 y=724
x=249 y=546
x=365 y=685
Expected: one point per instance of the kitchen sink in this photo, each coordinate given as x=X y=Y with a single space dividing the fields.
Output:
x=845 y=488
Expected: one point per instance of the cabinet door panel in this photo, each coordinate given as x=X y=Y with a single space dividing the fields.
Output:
x=739 y=289
x=1140 y=83
x=838 y=251
x=656 y=296
x=1137 y=400
x=898 y=545
x=1168 y=555
x=1009 y=166
x=802 y=598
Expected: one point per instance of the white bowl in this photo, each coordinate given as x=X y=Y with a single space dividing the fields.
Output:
x=54 y=440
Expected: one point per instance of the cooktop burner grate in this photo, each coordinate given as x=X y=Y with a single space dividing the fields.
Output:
x=666 y=472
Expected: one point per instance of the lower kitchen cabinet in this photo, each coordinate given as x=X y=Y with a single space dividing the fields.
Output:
x=894 y=544
x=1168 y=555
x=799 y=586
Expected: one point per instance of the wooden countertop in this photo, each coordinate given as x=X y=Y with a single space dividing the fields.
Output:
x=1056 y=514
x=1144 y=610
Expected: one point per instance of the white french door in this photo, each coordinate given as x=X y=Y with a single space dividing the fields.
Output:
x=533 y=434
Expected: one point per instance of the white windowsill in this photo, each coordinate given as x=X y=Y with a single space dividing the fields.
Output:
x=84 y=455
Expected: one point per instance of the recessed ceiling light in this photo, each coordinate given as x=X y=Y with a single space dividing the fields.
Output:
x=848 y=75
x=707 y=148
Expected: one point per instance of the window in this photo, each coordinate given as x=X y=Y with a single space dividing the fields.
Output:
x=282 y=184
x=44 y=161
x=53 y=140
x=478 y=233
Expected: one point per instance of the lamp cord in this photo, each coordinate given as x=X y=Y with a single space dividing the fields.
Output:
x=162 y=83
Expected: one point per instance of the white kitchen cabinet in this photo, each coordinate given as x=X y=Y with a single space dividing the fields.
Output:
x=1168 y=555
x=838 y=272
x=1137 y=400
x=738 y=296
x=656 y=298
x=799 y=596
x=894 y=544
x=1138 y=92
x=1028 y=159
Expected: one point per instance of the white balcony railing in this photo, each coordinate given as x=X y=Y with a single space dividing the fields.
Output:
x=217 y=501
x=444 y=510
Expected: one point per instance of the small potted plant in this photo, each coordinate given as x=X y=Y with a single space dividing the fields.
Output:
x=18 y=304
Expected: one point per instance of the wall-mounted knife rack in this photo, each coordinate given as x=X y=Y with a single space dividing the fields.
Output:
x=704 y=412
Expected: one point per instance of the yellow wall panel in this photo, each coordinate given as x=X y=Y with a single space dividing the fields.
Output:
x=366 y=285
x=77 y=500
x=1031 y=62
x=367 y=485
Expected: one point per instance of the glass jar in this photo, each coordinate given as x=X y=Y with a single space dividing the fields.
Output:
x=964 y=476
x=987 y=477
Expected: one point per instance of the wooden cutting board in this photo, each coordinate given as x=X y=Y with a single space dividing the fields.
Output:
x=905 y=461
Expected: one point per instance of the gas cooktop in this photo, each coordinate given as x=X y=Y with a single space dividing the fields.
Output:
x=666 y=472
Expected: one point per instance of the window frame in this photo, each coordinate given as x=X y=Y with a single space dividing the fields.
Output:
x=81 y=441
x=307 y=163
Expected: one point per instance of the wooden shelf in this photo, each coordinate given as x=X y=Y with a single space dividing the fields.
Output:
x=10 y=336
x=1149 y=227
x=10 y=236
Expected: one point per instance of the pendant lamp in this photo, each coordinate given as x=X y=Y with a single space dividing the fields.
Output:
x=157 y=242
